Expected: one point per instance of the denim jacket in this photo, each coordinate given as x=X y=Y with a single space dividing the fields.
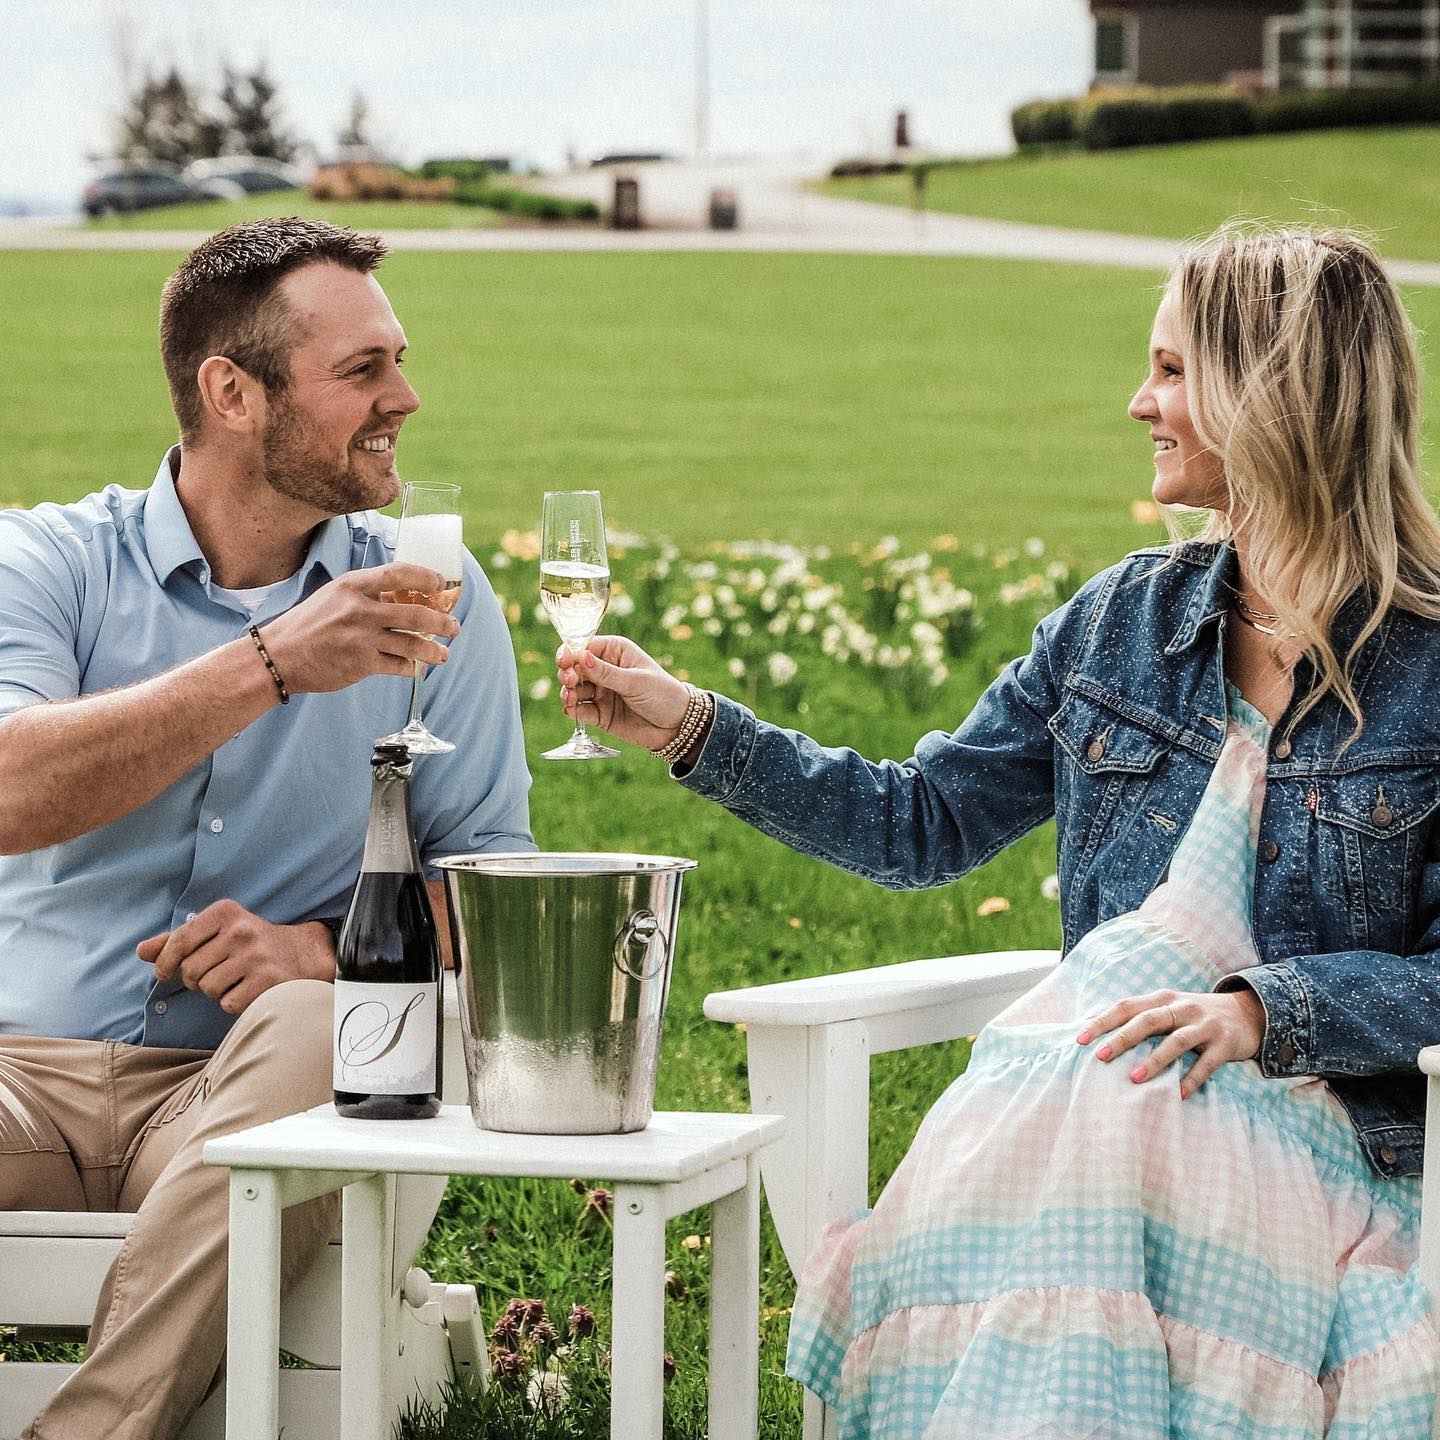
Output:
x=1112 y=724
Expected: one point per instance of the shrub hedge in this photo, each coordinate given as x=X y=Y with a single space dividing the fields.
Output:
x=1110 y=119
x=525 y=203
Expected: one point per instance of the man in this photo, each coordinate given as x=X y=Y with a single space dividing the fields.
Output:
x=185 y=796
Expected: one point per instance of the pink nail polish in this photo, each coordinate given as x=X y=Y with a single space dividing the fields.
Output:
x=1138 y=1073
x=1104 y=1053
x=1084 y=1038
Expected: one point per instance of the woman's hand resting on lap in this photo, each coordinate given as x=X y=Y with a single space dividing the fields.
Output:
x=618 y=687
x=1220 y=1028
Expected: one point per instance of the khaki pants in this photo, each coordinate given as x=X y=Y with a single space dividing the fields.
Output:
x=96 y=1125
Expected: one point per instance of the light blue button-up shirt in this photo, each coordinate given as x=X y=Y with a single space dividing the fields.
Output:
x=114 y=590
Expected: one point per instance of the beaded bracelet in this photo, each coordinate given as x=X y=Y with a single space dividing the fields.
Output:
x=699 y=710
x=270 y=665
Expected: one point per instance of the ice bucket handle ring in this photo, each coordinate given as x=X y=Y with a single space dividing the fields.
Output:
x=644 y=926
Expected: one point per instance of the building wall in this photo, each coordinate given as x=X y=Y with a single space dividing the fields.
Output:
x=1200 y=44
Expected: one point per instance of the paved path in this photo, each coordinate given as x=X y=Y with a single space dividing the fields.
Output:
x=776 y=214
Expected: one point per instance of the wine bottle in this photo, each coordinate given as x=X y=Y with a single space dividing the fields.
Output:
x=387 y=1059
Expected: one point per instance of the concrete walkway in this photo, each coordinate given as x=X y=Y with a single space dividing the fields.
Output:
x=776 y=214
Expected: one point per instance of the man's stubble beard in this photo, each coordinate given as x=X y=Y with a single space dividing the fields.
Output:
x=298 y=465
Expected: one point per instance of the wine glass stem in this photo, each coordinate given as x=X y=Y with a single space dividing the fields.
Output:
x=415 y=721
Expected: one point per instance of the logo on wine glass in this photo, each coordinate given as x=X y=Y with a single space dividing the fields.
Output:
x=368 y=1032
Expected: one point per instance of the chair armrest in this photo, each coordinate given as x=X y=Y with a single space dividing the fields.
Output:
x=809 y=1044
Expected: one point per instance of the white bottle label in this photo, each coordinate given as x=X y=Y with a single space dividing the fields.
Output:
x=385 y=1038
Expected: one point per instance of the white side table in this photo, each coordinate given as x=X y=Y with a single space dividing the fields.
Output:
x=681 y=1160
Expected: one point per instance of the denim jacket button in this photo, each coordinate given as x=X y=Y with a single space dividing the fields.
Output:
x=1389 y=1154
x=1269 y=851
x=1382 y=816
x=1284 y=750
x=1095 y=750
x=1285 y=1053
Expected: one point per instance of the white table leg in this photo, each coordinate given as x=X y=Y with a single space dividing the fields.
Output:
x=252 y=1362
x=637 y=1324
x=365 y=1304
x=735 y=1310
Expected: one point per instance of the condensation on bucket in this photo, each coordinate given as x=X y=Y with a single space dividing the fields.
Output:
x=600 y=1083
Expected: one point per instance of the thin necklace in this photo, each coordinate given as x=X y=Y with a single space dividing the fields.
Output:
x=1256 y=619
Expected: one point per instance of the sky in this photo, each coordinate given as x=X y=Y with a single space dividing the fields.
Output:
x=547 y=79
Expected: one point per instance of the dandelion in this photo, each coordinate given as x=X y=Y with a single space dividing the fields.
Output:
x=499 y=561
x=782 y=669
x=1144 y=512
x=995 y=905
x=1050 y=888
x=681 y=632
x=672 y=617
x=541 y=688
x=703 y=605
x=691 y=1242
x=622 y=604
x=1034 y=547
x=521 y=544
x=512 y=612
x=547 y=1391
x=736 y=666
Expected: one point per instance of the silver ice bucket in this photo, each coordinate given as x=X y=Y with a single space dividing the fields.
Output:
x=563 y=964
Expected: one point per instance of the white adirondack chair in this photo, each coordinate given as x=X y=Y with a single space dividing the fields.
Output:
x=52 y=1264
x=809 y=1044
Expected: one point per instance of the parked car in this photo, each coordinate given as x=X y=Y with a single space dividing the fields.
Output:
x=143 y=185
x=254 y=174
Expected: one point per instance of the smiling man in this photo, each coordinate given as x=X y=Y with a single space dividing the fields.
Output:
x=191 y=679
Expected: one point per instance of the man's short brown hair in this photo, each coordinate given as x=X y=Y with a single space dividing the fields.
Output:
x=223 y=301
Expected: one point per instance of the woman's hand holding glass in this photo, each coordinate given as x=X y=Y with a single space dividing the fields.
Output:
x=615 y=684
x=1219 y=1027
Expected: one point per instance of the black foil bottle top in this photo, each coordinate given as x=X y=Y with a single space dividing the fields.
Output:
x=391 y=753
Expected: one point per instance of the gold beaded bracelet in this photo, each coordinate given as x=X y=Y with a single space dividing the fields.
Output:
x=270 y=665
x=699 y=710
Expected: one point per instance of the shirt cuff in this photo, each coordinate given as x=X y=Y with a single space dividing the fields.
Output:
x=1288 y=1042
x=721 y=764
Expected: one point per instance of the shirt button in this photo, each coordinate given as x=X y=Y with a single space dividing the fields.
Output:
x=1284 y=750
x=216 y=825
x=1269 y=852
x=1285 y=1053
x=161 y=1006
x=1388 y=1154
x=1095 y=750
x=1382 y=817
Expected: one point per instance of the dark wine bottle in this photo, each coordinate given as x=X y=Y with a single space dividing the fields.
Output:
x=387 y=1056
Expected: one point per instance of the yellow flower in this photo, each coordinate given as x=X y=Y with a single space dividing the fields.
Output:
x=995 y=905
x=681 y=632
x=1144 y=512
x=521 y=544
x=512 y=612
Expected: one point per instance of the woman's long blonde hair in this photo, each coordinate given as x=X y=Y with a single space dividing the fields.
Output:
x=1303 y=374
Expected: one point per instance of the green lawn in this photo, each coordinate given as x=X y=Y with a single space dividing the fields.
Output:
x=1384 y=180
x=823 y=400
x=360 y=215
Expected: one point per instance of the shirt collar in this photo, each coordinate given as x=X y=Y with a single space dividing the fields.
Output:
x=169 y=541
x=171 y=544
x=1213 y=594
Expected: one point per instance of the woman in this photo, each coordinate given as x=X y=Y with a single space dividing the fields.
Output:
x=1217 y=1233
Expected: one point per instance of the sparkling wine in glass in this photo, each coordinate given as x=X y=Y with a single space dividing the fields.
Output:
x=429 y=535
x=574 y=589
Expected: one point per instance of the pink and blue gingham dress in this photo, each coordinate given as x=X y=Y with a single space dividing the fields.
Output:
x=1065 y=1253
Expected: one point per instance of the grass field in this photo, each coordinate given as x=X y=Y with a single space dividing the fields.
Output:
x=828 y=401
x=1385 y=180
x=372 y=214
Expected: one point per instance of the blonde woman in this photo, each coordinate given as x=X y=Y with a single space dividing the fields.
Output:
x=1175 y=1192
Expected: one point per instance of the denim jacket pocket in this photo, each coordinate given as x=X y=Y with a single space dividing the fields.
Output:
x=1106 y=763
x=1371 y=844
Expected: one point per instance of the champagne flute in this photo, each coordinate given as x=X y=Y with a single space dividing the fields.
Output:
x=429 y=535
x=574 y=589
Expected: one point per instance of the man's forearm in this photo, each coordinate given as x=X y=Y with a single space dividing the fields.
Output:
x=72 y=766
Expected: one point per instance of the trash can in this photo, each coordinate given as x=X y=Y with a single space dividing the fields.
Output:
x=563 y=965
x=724 y=210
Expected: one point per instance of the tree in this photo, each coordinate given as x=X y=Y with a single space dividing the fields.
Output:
x=354 y=140
x=165 y=120
x=250 y=115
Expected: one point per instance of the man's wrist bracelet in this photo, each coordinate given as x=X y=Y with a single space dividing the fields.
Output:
x=270 y=665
